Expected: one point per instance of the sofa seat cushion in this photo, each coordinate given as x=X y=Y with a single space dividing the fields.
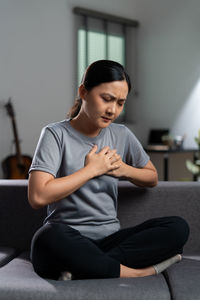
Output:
x=6 y=255
x=192 y=256
x=183 y=279
x=18 y=281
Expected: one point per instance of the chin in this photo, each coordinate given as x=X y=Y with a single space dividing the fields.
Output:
x=105 y=124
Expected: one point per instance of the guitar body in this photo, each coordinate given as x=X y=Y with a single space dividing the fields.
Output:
x=13 y=170
x=15 y=166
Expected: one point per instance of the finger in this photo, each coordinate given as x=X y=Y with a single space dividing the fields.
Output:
x=104 y=150
x=111 y=153
x=93 y=149
x=114 y=155
x=113 y=170
x=115 y=166
x=115 y=158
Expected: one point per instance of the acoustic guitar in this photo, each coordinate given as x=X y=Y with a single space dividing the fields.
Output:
x=15 y=166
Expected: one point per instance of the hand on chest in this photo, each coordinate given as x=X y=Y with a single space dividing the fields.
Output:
x=74 y=154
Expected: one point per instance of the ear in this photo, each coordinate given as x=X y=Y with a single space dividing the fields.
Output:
x=82 y=91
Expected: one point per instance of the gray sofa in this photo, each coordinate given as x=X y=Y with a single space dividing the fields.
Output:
x=18 y=222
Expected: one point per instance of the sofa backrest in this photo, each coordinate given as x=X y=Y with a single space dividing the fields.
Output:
x=18 y=221
x=136 y=205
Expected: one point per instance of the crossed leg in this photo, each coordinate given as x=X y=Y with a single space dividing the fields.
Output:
x=130 y=252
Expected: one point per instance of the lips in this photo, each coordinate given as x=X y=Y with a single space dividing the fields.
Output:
x=106 y=119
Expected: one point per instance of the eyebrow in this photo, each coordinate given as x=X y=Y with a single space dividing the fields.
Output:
x=112 y=97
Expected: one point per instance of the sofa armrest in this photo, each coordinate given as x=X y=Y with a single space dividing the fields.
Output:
x=6 y=255
x=18 y=221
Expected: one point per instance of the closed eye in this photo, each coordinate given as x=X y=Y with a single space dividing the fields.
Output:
x=121 y=103
x=106 y=99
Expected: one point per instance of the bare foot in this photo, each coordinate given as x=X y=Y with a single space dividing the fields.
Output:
x=130 y=272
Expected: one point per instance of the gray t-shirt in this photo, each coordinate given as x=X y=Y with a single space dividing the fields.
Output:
x=61 y=151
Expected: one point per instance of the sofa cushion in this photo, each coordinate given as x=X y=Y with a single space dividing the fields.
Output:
x=6 y=254
x=18 y=281
x=192 y=256
x=183 y=279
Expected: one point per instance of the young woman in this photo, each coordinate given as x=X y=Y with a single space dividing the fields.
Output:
x=75 y=171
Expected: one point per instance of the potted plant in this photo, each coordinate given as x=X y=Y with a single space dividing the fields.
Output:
x=194 y=167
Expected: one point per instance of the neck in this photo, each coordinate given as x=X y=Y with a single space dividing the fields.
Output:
x=82 y=124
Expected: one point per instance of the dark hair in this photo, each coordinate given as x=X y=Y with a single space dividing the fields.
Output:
x=98 y=72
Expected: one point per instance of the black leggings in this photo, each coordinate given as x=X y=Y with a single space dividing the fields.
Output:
x=58 y=247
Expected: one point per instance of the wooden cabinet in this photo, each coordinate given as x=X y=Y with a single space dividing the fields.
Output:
x=170 y=164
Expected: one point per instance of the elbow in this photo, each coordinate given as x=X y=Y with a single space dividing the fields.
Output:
x=154 y=180
x=35 y=205
x=35 y=202
x=153 y=184
x=36 y=191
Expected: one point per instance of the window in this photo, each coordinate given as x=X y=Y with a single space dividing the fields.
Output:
x=95 y=43
x=101 y=36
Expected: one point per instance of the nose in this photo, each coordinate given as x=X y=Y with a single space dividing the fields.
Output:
x=111 y=109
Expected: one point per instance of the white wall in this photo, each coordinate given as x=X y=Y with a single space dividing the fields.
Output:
x=37 y=65
x=168 y=68
x=36 y=58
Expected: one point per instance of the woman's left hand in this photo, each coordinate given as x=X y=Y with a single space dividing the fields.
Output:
x=121 y=171
x=146 y=176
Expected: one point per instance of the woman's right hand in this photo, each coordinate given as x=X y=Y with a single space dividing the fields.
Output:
x=102 y=162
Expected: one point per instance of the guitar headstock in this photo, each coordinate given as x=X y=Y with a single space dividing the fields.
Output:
x=10 y=109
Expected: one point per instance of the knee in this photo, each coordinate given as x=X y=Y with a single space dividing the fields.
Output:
x=179 y=230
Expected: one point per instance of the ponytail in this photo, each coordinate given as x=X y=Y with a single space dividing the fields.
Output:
x=75 y=109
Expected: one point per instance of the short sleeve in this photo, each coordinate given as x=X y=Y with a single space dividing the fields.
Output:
x=47 y=155
x=134 y=154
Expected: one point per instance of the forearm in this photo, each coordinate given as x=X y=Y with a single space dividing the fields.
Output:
x=44 y=189
x=141 y=177
x=55 y=189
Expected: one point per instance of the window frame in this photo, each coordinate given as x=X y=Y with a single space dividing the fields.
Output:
x=129 y=62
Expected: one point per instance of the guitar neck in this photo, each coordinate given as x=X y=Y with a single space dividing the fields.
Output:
x=16 y=139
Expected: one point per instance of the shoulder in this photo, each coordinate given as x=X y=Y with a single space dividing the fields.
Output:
x=52 y=133
x=56 y=128
x=123 y=134
x=117 y=128
x=121 y=130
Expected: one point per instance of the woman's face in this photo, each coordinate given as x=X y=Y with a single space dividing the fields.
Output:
x=103 y=103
